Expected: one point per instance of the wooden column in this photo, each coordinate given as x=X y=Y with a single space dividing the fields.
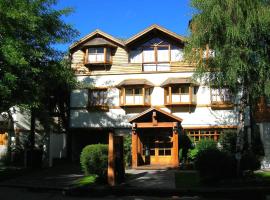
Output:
x=134 y=147
x=175 y=152
x=111 y=164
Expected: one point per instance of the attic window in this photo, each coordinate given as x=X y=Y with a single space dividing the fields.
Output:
x=98 y=55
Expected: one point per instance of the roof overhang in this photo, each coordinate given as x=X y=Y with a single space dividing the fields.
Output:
x=131 y=82
x=155 y=27
x=97 y=33
x=160 y=112
x=174 y=81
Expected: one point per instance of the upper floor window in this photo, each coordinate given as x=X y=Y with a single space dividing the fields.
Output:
x=155 y=55
x=220 y=95
x=179 y=94
x=98 y=97
x=131 y=96
x=95 y=55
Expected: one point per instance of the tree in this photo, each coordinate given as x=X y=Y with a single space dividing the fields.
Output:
x=238 y=33
x=32 y=71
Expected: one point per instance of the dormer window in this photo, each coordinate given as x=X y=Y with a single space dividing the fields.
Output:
x=155 y=55
x=98 y=55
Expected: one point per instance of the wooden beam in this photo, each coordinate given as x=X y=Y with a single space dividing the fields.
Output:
x=86 y=57
x=154 y=118
x=111 y=159
x=175 y=156
x=134 y=149
x=158 y=125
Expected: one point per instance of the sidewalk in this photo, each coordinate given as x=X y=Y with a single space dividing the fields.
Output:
x=61 y=177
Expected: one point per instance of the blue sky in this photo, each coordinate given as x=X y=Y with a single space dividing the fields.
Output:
x=124 y=18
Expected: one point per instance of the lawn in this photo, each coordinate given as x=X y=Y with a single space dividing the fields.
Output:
x=263 y=176
x=86 y=180
x=187 y=179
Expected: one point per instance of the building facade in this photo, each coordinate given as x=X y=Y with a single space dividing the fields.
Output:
x=143 y=86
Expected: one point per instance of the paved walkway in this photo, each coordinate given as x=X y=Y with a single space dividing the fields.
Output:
x=164 y=179
x=57 y=178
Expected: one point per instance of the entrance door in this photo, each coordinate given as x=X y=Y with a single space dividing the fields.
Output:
x=157 y=147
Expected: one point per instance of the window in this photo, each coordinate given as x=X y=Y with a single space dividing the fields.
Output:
x=98 y=55
x=220 y=95
x=98 y=97
x=199 y=134
x=135 y=96
x=177 y=94
x=156 y=55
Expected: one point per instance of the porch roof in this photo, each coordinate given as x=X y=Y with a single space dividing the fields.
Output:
x=161 y=115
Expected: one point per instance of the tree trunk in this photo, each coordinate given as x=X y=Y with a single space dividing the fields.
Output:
x=32 y=129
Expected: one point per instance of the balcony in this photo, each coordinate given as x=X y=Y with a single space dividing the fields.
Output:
x=221 y=99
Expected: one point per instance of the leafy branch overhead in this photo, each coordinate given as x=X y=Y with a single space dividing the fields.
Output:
x=31 y=69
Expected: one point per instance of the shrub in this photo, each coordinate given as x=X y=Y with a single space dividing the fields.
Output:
x=214 y=165
x=94 y=160
x=250 y=161
x=228 y=141
x=127 y=150
x=202 y=145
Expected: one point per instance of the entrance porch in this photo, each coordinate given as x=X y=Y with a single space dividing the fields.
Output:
x=155 y=139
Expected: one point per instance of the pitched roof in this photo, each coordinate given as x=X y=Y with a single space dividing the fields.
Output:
x=123 y=42
x=94 y=33
x=151 y=28
x=136 y=118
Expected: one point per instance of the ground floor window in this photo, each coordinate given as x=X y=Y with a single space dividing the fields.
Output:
x=197 y=134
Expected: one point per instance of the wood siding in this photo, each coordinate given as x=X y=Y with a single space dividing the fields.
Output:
x=120 y=65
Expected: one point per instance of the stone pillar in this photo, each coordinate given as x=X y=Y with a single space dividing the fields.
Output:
x=175 y=157
x=111 y=164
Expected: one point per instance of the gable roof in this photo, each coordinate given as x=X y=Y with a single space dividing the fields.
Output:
x=151 y=28
x=128 y=41
x=150 y=110
x=135 y=82
x=95 y=33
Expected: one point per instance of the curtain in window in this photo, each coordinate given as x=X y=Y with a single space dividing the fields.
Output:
x=163 y=67
x=176 y=54
x=163 y=54
x=135 y=56
x=100 y=55
x=149 y=67
x=148 y=55
x=129 y=96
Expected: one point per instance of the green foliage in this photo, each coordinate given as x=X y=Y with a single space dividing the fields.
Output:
x=185 y=145
x=249 y=161
x=127 y=150
x=202 y=145
x=228 y=141
x=238 y=32
x=94 y=160
x=214 y=165
x=31 y=69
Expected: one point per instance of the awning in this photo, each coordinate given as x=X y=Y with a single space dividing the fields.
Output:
x=98 y=42
x=142 y=82
x=172 y=81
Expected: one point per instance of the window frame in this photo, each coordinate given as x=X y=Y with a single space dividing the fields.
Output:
x=146 y=93
x=102 y=97
x=106 y=51
x=168 y=92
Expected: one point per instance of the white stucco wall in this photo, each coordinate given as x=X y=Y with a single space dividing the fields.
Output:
x=202 y=115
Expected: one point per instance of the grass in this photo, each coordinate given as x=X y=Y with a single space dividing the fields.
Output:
x=187 y=179
x=263 y=176
x=86 y=180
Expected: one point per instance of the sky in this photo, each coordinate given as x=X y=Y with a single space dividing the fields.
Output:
x=124 y=18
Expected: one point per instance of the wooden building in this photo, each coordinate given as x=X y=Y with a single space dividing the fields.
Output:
x=142 y=86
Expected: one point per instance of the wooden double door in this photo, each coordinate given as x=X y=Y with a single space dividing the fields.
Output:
x=156 y=147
